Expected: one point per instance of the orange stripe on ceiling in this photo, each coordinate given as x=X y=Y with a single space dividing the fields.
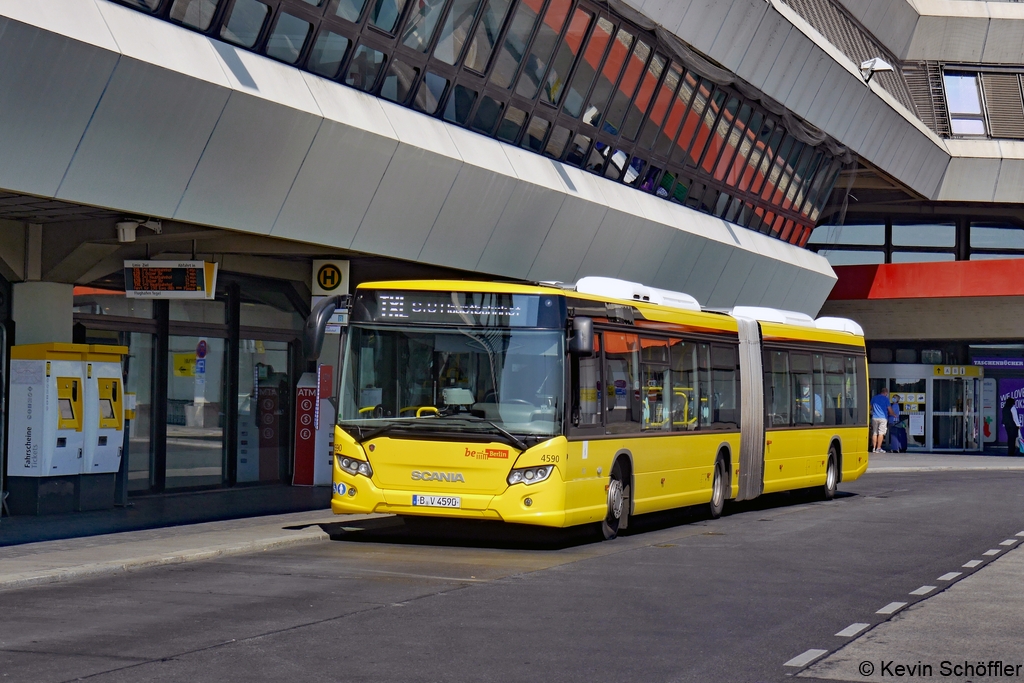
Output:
x=934 y=280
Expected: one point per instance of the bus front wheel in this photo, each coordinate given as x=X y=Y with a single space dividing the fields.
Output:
x=828 y=491
x=718 y=490
x=618 y=503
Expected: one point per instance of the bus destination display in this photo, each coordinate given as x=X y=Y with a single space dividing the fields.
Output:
x=460 y=308
x=170 y=279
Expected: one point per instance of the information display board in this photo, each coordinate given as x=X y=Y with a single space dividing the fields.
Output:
x=170 y=279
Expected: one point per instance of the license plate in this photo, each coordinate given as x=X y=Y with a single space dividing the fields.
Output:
x=437 y=501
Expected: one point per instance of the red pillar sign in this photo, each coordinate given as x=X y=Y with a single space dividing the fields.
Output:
x=305 y=435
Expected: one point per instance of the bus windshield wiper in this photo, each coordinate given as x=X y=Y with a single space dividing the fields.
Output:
x=510 y=438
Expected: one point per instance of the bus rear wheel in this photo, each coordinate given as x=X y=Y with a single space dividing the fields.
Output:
x=618 y=504
x=828 y=491
x=717 y=503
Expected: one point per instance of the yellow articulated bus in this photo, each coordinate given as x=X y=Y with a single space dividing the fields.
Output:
x=561 y=406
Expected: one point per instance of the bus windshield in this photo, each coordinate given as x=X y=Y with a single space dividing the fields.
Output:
x=452 y=379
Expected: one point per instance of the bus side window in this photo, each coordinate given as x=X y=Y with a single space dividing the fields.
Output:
x=725 y=382
x=852 y=416
x=683 y=375
x=819 y=389
x=655 y=392
x=777 y=399
x=587 y=395
x=803 y=398
x=835 y=391
x=706 y=397
x=622 y=383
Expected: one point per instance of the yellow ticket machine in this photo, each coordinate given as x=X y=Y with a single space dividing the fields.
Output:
x=103 y=426
x=45 y=436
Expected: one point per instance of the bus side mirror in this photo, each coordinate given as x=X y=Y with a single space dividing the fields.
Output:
x=581 y=343
x=316 y=325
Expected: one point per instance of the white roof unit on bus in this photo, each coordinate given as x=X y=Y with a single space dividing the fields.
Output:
x=839 y=325
x=772 y=315
x=634 y=291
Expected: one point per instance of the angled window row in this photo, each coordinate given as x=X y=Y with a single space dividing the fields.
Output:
x=562 y=78
x=989 y=104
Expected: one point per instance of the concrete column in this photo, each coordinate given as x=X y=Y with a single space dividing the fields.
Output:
x=42 y=312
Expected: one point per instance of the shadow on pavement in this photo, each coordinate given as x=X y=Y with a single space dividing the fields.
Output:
x=409 y=530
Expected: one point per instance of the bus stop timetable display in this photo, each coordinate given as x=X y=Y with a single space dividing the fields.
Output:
x=170 y=279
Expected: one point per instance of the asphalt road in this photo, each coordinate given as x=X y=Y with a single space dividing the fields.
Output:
x=680 y=598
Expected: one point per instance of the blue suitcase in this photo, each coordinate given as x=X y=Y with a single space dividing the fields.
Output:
x=897 y=439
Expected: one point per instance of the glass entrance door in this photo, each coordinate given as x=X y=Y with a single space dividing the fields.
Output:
x=955 y=414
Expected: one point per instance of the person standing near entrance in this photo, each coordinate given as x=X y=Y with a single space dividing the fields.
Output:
x=1011 y=423
x=881 y=409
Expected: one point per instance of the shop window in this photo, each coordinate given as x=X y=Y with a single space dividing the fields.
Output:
x=557 y=142
x=638 y=109
x=622 y=382
x=677 y=116
x=627 y=87
x=399 y=81
x=384 y=14
x=264 y=411
x=577 y=150
x=616 y=164
x=195 y=411
x=963 y=100
x=197 y=311
x=90 y=301
x=931 y=356
x=430 y=93
x=350 y=9
x=878 y=355
x=288 y=38
x=328 y=53
x=456 y=30
x=653 y=128
x=921 y=256
x=924 y=235
x=366 y=66
x=634 y=171
x=486 y=35
x=245 y=22
x=195 y=13
x=838 y=257
x=996 y=236
x=419 y=29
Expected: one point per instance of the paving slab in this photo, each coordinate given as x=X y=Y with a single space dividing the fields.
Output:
x=892 y=463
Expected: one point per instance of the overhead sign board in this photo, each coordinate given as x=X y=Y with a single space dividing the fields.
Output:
x=170 y=279
x=330 y=277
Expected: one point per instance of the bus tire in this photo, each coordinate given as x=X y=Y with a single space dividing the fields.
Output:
x=828 y=491
x=618 y=501
x=718 y=493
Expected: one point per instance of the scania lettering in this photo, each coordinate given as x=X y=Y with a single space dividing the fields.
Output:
x=584 y=404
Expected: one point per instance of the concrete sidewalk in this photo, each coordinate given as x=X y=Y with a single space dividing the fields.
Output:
x=32 y=564
x=940 y=462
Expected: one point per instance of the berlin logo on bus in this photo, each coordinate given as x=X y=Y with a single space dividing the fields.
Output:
x=487 y=454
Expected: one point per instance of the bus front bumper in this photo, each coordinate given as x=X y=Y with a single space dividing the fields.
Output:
x=542 y=504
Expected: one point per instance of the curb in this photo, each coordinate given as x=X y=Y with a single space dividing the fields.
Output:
x=94 y=569
x=945 y=468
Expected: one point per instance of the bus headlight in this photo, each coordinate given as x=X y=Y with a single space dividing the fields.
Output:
x=353 y=466
x=530 y=475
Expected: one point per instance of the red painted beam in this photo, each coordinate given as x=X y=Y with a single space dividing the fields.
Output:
x=933 y=280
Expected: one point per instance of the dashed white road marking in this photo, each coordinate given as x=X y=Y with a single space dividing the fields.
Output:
x=973 y=563
x=923 y=590
x=1020 y=533
x=949 y=576
x=892 y=608
x=805 y=658
x=994 y=551
x=852 y=630
x=1010 y=541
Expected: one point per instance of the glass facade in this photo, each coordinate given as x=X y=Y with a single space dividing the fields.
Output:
x=564 y=78
x=214 y=381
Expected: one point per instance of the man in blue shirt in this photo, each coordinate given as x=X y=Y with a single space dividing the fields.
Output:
x=881 y=409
